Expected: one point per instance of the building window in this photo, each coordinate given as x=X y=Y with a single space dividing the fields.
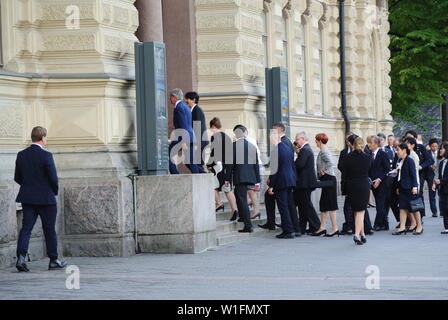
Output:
x=302 y=67
x=284 y=38
x=265 y=36
x=321 y=69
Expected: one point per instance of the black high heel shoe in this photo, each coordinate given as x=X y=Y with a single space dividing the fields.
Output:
x=234 y=215
x=416 y=233
x=329 y=235
x=357 y=241
x=258 y=215
x=221 y=207
x=318 y=234
x=412 y=230
x=363 y=239
x=397 y=233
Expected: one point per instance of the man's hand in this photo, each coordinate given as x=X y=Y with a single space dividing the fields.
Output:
x=227 y=184
x=184 y=146
x=434 y=187
x=376 y=183
x=420 y=168
x=434 y=166
x=271 y=191
x=322 y=172
x=257 y=187
x=268 y=181
x=414 y=191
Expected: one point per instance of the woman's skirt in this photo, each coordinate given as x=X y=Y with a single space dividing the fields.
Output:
x=404 y=199
x=329 y=197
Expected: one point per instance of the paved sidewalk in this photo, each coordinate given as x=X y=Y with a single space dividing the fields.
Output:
x=411 y=267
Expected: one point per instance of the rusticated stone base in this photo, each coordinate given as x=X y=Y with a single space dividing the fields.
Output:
x=98 y=218
x=175 y=213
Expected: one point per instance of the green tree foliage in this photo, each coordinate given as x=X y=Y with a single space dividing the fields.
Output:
x=419 y=56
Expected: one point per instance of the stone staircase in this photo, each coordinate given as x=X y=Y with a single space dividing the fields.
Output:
x=227 y=231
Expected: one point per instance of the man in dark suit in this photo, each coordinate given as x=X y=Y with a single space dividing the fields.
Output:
x=378 y=174
x=425 y=162
x=390 y=154
x=198 y=124
x=306 y=183
x=429 y=174
x=36 y=174
x=184 y=137
x=348 y=225
x=281 y=181
x=245 y=171
x=269 y=199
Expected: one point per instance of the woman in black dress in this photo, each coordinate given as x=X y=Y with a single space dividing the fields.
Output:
x=356 y=168
x=219 y=143
x=407 y=190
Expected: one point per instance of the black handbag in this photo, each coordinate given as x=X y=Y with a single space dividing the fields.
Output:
x=417 y=204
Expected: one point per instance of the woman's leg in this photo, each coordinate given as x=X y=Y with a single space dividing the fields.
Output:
x=403 y=218
x=253 y=197
x=334 y=224
x=232 y=201
x=323 y=221
x=412 y=220
x=218 y=201
x=418 y=220
x=359 y=222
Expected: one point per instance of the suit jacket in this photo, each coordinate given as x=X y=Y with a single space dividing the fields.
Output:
x=282 y=162
x=182 y=120
x=325 y=161
x=426 y=160
x=443 y=188
x=198 y=115
x=305 y=170
x=244 y=168
x=380 y=166
x=289 y=144
x=389 y=153
x=36 y=174
x=341 y=166
x=408 y=175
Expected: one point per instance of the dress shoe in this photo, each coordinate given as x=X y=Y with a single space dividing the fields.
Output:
x=329 y=235
x=416 y=233
x=57 y=264
x=434 y=215
x=346 y=232
x=278 y=225
x=258 y=215
x=398 y=233
x=363 y=239
x=444 y=232
x=221 y=207
x=357 y=241
x=297 y=234
x=285 y=236
x=240 y=219
x=246 y=230
x=21 y=265
x=318 y=234
x=234 y=216
x=266 y=226
x=369 y=233
x=377 y=228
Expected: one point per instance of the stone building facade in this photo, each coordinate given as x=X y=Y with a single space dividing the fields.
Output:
x=69 y=66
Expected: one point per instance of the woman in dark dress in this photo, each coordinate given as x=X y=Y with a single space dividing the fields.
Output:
x=407 y=190
x=219 y=143
x=356 y=168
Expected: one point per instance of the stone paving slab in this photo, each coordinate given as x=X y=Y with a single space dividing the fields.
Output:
x=411 y=267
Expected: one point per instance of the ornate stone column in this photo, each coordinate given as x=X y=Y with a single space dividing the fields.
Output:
x=150 y=20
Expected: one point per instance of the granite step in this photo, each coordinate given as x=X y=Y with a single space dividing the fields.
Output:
x=232 y=226
x=230 y=237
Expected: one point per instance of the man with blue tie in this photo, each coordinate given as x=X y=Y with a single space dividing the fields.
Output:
x=378 y=173
x=281 y=182
x=183 y=133
x=36 y=174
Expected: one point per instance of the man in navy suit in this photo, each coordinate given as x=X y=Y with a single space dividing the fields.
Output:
x=269 y=199
x=36 y=174
x=281 y=181
x=378 y=174
x=184 y=136
x=197 y=117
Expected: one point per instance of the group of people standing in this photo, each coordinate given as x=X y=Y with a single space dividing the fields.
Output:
x=391 y=171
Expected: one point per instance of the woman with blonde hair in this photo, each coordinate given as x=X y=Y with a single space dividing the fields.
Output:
x=356 y=168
